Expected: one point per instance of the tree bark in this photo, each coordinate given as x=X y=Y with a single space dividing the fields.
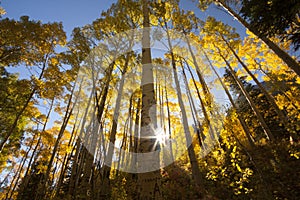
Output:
x=19 y=114
x=260 y=118
x=31 y=163
x=198 y=126
x=169 y=122
x=269 y=97
x=149 y=183
x=207 y=95
x=44 y=183
x=285 y=57
x=240 y=117
x=113 y=132
x=204 y=110
x=191 y=152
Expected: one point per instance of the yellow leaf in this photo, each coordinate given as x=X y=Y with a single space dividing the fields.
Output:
x=238 y=168
x=54 y=61
x=249 y=78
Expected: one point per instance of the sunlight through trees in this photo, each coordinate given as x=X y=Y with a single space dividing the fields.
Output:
x=151 y=101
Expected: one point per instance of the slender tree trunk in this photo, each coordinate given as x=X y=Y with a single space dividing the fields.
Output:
x=113 y=132
x=204 y=110
x=240 y=117
x=84 y=183
x=90 y=143
x=136 y=138
x=285 y=57
x=82 y=169
x=270 y=98
x=198 y=126
x=207 y=95
x=30 y=163
x=6 y=177
x=206 y=92
x=169 y=122
x=167 y=144
x=161 y=108
x=123 y=148
x=265 y=92
x=13 y=182
x=79 y=152
x=44 y=183
x=101 y=104
x=66 y=159
x=17 y=175
x=149 y=183
x=191 y=152
x=131 y=136
x=19 y=114
x=127 y=128
x=281 y=87
x=260 y=118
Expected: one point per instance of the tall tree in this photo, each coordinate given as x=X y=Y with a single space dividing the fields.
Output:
x=292 y=63
x=39 y=42
x=148 y=182
x=274 y=18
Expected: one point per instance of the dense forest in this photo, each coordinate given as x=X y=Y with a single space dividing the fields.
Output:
x=150 y=101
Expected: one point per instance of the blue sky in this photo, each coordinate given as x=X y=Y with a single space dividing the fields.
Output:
x=77 y=13
x=74 y=13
